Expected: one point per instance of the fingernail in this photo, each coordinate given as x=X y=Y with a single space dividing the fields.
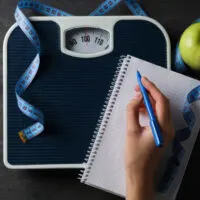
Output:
x=137 y=87
x=137 y=95
x=145 y=78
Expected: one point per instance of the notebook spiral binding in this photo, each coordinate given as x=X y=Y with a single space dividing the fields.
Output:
x=104 y=116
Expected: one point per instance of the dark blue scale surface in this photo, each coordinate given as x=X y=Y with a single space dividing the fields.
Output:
x=70 y=91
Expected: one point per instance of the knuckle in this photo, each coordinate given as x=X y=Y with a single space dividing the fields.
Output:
x=132 y=131
x=129 y=107
x=152 y=84
x=164 y=99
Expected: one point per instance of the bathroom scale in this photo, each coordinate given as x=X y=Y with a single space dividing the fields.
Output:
x=79 y=60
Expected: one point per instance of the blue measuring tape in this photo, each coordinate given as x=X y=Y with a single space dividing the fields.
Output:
x=108 y=5
x=135 y=8
x=28 y=76
x=181 y=135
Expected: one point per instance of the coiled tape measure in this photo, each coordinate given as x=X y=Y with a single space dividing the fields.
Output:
x=77 y=42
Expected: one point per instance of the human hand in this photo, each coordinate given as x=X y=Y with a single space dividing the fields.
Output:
x=142 y=156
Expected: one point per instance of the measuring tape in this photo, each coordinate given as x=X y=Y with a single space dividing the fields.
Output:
x=28 y=76
x=181 y=135
x=108 y=5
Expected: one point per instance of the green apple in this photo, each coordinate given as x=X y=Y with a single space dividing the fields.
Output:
x=190 y=46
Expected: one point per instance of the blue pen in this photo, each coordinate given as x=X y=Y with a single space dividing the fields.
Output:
x=153 y=121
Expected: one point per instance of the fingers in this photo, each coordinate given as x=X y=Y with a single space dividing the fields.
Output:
x=148 y=138
x=152 y=89
x=161 y=102
x=143 y=109
x=133 y=114
x=137 y=89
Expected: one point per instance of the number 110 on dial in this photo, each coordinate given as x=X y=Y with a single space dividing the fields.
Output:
x=87 y=40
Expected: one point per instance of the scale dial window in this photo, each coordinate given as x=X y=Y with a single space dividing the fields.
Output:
x=87 y=40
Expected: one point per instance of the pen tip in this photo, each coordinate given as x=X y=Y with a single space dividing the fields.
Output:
x=138 y=74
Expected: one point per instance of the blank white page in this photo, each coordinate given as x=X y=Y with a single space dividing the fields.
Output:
x=107 y=170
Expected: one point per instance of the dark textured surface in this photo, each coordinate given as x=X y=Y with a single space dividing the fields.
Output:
x=175 y=16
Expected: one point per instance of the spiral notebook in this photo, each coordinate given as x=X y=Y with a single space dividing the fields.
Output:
x=105 y=167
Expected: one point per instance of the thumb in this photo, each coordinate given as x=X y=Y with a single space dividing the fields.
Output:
x=133 y=114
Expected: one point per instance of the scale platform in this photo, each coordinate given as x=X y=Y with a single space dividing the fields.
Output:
x=79 y=57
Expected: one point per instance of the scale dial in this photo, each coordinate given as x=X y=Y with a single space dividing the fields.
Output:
x=87 y=40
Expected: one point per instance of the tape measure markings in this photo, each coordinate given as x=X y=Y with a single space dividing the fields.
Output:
x=135 y=8
x=180 y=136
x=105 y=7
x=42 y=8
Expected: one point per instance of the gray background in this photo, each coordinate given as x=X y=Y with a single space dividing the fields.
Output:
x=175 y=16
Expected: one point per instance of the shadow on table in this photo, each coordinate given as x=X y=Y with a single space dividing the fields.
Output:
x=190 y=186
x=59 y=184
